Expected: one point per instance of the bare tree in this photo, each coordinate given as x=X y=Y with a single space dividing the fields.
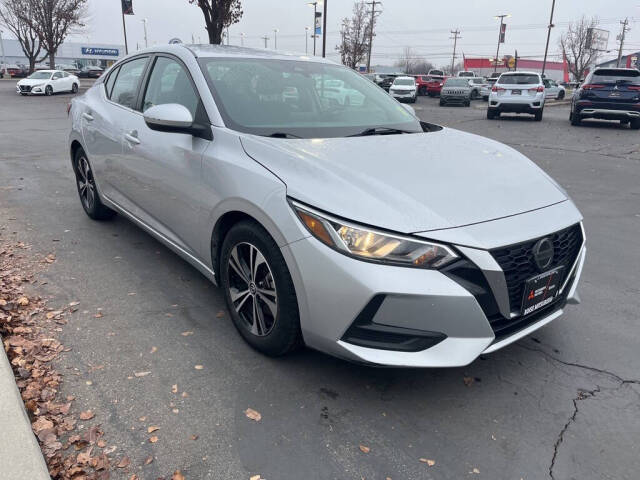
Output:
x=53 y=20
x=218 y=15
x=411 y=63
x=354 y=35
x=17 y=16
x=576 y=46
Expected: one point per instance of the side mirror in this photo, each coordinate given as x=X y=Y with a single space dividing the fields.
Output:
x=169 y=117
x=409 y=109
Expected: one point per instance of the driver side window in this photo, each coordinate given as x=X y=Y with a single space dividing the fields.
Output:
x=170 y=83
x=57 y=76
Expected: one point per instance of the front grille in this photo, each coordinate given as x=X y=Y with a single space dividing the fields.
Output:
x=25 y=88
x=518 y=264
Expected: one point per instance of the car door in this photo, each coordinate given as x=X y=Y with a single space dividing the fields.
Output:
x=108 y=111
x=550 y=89
x=57 y=83
x=165 y=167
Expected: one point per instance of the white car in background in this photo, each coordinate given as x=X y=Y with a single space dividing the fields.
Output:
x=337 y=91
x=48 y=82
x=404 y=88
x=553 y=90
x=517 y=92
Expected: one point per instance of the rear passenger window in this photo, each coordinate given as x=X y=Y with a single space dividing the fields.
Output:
x=125 y=88
x=108 y=85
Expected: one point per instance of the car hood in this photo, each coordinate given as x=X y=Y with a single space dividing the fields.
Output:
x=32 y=81
x=409 y=182
x=403 y=87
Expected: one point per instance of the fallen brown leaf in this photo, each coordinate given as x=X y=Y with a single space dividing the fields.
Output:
x=88 y=415
x=255 y=477
x=152 y=429
x=148 y=460
x=253 y=414
x=153 y=439
x=364 y=449
x=141 y=374
x=194 y=437
x=467 y=381
x=186 y=334
x=125 y=462
x=220 y=314
x=99 y=315
x=23 y=301
x=475 y=470
x=174 y=388
x=142 y=419
x=177 y=475
x=429 y=462
x=198 y=367
x=153 y=349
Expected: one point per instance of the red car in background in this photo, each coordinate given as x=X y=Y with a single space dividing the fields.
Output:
x=421 y=83
x=435 y=85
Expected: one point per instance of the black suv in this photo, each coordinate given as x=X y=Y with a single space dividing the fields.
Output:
x=610 y=94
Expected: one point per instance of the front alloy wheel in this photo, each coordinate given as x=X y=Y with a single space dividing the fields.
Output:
x=48 y=91
x=252 y=289
x=87 y=190
x=259 y=290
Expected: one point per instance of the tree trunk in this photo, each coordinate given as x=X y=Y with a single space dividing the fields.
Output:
x=32 y=65
x=52 y=61
x=215 y=35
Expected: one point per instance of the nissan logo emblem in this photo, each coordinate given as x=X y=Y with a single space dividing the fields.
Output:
x=543 y=253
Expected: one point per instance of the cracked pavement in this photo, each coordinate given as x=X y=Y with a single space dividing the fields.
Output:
x=561 y=404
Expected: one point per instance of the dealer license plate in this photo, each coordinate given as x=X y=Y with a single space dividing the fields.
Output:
x=541 y=290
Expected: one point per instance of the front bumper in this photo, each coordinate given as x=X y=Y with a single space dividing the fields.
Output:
x=410 y=95
x=335 y=292
x=30 y=91
x=455 y=98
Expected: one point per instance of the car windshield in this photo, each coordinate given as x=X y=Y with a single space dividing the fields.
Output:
x=404 y=81
x=456 y=82
x=616 y=76
x=477 y=80
x=290 y=98
x=465 y=74
x=518 y=79
x=40 y=75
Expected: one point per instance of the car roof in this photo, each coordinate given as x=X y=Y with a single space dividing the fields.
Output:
x=523 y=72
x=405 y=77
x=231 y=51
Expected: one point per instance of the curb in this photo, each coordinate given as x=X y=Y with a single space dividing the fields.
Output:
x=20 y=454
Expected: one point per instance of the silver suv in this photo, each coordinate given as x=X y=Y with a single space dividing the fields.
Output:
x=354 y=227
x=517 y=92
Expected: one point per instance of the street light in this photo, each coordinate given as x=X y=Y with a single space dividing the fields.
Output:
x=275 y=38
x=146 y=42
x=501 y=17
x=4 y=60
x=306 y=40
x=242 y=34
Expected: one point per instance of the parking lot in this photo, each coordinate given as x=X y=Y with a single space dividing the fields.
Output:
x=561 y=404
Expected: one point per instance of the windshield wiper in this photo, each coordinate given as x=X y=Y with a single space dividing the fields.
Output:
x=282 y=135
x=381 y=131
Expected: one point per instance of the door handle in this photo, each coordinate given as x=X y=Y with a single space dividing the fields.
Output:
x=87 y=117
x=132 y=138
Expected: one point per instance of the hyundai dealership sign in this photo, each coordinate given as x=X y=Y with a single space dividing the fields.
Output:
x=108 y=52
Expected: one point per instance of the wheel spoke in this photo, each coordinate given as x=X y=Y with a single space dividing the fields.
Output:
x=273 y=307
x=81 y=171
x=242 y=296
x=254 y=317
x=234 y=262
x=90 y=195
x=257 y=261
x=260 y=317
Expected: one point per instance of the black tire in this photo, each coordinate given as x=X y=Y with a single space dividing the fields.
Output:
x=467 y=103
x=23 y=94
x=474 y=94
x=89 y=196
x=575 y=119
x=560 y=95
x=485 y=98
x=48 y=91
x=442 y=103
x=492 y=114
x=74 y=88
x=431 y=94
x=635 y=124
x=274 y=335
x=538 y=115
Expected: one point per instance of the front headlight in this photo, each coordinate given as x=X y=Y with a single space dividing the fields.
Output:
x=365 y=243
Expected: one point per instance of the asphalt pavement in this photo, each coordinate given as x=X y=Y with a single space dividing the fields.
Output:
x=562 y=404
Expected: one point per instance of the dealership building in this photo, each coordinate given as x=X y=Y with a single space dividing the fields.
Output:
x=80 y=54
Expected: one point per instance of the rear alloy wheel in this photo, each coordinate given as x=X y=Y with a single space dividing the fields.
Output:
x=560 y=95
x=259 y=290
x=74 y=88
x=87 y=190
x=48 y=91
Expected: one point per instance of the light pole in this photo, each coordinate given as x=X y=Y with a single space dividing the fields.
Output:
x=306 y=40
x=242 y=34
x=324 y=30
x=146 y=41
x=315 y=17
x=501 y=17
x=275 y=38
x=546 y=48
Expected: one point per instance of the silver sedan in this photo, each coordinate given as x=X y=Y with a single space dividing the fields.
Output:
x=353 y=228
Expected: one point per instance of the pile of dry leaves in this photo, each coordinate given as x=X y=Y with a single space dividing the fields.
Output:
x=29 y=328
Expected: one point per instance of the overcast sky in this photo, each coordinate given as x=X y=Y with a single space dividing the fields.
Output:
x=422 y=24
